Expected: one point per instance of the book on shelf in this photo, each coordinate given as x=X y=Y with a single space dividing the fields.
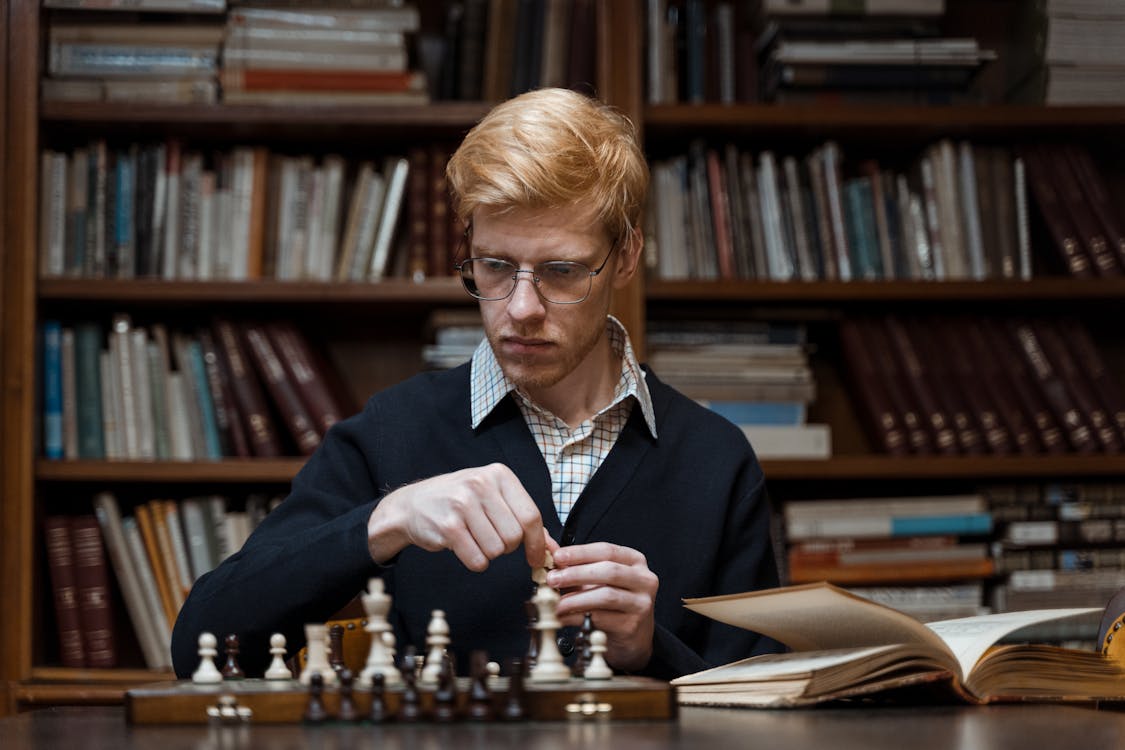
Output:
x=283 y=391
x=880 y=518
x=132 y=6
x=845 y=646
x=91 y=580
x=60 y=563
x=804 y=441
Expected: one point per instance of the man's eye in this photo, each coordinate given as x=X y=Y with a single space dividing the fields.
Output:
x=491 y=265
x=559 y=270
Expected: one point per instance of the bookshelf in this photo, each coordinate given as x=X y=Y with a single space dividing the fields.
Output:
x=28 y=482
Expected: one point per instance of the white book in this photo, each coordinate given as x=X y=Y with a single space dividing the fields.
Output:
x=832 y=171
x=370 y=214
x=189 y=388
x=1023 y=233
x=143 y=567
x=108 y=513
x=329 y=242
x=396 y=172
x=194 y=522
x=142 y=389
x=310 y=263
x=187 y=266
x=777 y=254
x=69 y=395
x=159 y=208
x=178 y=544
x=206 y=265
x=242 y=196
x=158 y=394
x=109 y=412
x=387 y=59
x=790 y=441
x=949 y=212
x=125 y=380
x=970 y=211
x=171 y=216
x=52 y=213
x=179 y=400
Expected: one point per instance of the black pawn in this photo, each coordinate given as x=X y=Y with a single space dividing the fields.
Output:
x=513 y=706
x=445 y=696
x=231 y=670
x=532 y=655
x=336 y=648
x=315 y=712
x=480 y=696
x=348 y=712
x=378 y=713
x=582 y=652
x=410 y=707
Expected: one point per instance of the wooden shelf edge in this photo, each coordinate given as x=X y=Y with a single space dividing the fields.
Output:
x=119 y=676
x=944 y=467
x=435 y=291
x=228 y=470
x=898 y=291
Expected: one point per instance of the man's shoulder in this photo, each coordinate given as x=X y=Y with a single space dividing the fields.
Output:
x=438 y=389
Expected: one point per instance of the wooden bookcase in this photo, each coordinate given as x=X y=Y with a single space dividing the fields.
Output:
x=25 y=478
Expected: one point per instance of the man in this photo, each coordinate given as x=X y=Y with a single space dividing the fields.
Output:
x=553 y=435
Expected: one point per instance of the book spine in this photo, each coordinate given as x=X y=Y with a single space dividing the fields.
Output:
x=60 y=562
x=1054 y=214
x=69 y=395
x=1088 y=229
x=269 y=367
x=397 y=171
x=882 y=417
x=1090 y=360
x=251 y=402
x=146 y=577
x=91 y=578
x=52 y=390
x=232 y=435
x=148 y=534
x=294 y=353
x=945 y=440
x=999 y=344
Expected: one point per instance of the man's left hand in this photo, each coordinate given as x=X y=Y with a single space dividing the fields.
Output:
x=612 y=583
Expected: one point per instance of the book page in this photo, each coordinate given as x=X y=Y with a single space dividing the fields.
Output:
x=969 y=637
x=779 y=666
x=819 y=616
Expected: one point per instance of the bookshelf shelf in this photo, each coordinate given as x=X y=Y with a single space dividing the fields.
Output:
x=918 y=121
x=1061 y=288
x=126 y=677
x=445 y=291
x=228 y=470
x=869 y=467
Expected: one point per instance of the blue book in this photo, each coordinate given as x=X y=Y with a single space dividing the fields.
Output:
x=962 y=524
x=760 y=412
x=123 y=218
x=52 y=390
x=206 y=404
x=87 y=350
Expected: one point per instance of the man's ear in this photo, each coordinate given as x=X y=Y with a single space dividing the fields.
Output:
x=628 y=257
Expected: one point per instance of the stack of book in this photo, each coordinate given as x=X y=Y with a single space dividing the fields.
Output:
x=168 y=211
x=144 y=394
x=884 y=52
x=1069 y=52
x=959 y=211
x=698 y=52
x=148 y=62
x=755 y=374
x=936 y=385
x=456 y=335
x=314 y=55
x=889 y=541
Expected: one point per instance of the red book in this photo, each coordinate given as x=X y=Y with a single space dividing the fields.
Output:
x=91 y=578
x=1090 y=231
x=996 y=388
x=1054 y=213
x=881 y=415
x=933 y=415
x=1090 y=362
x=270 y=79
x=948 y=391
x=1100 y=203
x=60 y=562
x=894 y=382
x=302 y=369
x=246 y=391
x=966 y=380
x=999 y=345
x=720 y=216
x=281 y=389
x=232 y=433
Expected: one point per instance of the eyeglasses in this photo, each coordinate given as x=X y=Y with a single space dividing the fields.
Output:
x=563 y=282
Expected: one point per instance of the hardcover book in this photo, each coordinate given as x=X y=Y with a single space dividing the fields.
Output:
x=845 y=647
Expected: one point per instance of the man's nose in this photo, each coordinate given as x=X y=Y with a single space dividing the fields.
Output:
x=525 y=301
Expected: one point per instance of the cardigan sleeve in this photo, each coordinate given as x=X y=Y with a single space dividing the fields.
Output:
x=306 y=560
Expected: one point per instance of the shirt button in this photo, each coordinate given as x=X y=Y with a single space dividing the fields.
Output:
x=566 y=646
x=568 y=536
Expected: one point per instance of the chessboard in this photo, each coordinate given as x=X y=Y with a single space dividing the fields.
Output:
x=288 y=702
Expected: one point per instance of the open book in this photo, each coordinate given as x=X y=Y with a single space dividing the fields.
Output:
x=845 y=646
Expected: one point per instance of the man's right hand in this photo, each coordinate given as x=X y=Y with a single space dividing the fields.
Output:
x=479 y=513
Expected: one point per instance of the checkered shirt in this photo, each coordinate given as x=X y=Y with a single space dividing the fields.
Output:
x=572 y=456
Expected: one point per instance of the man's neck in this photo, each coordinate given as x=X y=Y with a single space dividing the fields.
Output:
x=585 y=391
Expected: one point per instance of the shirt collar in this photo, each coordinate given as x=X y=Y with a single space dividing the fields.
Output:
x=488 y=385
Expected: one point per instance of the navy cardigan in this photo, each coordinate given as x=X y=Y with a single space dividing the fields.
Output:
x=692 y=501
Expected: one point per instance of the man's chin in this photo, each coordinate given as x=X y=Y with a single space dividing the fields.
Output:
x=529 y=377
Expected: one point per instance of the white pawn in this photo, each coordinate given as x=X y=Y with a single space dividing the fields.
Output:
x=597 y=669
x=278 y=670
x=316 y=656
x=549 y=666
x=207 y=673
x=437 y=638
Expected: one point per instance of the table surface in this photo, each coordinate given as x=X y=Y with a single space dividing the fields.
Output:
x=1022 y=727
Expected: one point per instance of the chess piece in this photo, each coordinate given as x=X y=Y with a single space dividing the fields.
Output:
x=532 y=655
x=378 y=712
x=381 y=656
x=437 y=638
x=513 y=704
x=231 y=669
x=598 y=669
x=410 y=705
x=315 y=712
x=480 y=696
x=582 y=653
x=445 y=697
x=550 y=667
x=348 y=711
x=316 y=656
x=336 y=648
x=207 y=673
x=277 y=669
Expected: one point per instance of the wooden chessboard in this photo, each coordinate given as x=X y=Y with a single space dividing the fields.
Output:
x=284 y=701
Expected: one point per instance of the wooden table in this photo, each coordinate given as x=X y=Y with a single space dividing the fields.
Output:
x=1019 y=727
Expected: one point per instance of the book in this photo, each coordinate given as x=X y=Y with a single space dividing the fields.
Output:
x=845 y=646
x=247 y=392
x=60 y=563
x=284 y=392
x=91 y=581
x=301 y=368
